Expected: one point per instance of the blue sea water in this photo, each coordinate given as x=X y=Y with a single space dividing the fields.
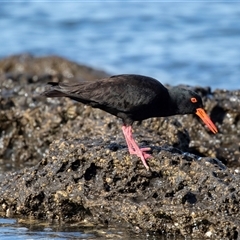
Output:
x=195 y=43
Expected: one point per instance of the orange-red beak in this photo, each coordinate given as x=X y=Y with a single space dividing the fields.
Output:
x=202 y=114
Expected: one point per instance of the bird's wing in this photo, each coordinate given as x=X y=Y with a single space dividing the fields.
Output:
x=122 y=92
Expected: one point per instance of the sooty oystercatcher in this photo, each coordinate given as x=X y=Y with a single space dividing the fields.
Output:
x=133 y=98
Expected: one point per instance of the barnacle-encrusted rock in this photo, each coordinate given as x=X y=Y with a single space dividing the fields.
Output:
x=75 y=165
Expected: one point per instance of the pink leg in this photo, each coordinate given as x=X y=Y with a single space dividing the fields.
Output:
x=133 y=147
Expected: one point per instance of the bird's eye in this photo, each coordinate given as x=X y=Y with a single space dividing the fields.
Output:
x=193 y=100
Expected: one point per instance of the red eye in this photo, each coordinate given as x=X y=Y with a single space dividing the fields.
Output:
x=193 y=100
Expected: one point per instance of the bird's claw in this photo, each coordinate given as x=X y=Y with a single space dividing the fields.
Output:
x=141 y=152
x=144 y=152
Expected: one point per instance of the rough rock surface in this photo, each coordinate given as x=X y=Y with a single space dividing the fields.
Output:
x=81 y=170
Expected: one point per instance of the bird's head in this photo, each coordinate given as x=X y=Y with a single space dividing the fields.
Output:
x=190 y=102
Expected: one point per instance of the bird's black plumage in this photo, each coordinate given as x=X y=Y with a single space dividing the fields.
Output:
x=133 y=98
x=130 y=97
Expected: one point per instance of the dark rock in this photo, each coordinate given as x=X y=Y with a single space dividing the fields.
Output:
x=82 y=181
x=81 y=169
x=25 y=133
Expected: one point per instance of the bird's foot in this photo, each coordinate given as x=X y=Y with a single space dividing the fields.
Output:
x=133 y=147
x=142 y=153
x=144 y=150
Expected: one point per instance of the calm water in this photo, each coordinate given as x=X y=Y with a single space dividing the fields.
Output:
x=12 y=229
x=195 y=43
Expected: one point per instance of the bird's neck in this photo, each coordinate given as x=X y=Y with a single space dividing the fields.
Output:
x=174 y=103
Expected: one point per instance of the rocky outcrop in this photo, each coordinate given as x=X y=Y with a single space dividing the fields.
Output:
x=76 y=167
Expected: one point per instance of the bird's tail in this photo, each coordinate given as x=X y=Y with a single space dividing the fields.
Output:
x=54 y=91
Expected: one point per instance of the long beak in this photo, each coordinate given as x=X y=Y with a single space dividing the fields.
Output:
x=202 y=114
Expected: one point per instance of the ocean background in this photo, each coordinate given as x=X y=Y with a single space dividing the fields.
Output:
x=190 y=42
x=177 y=42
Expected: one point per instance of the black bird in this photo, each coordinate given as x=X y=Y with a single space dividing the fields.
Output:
x=133 y=98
